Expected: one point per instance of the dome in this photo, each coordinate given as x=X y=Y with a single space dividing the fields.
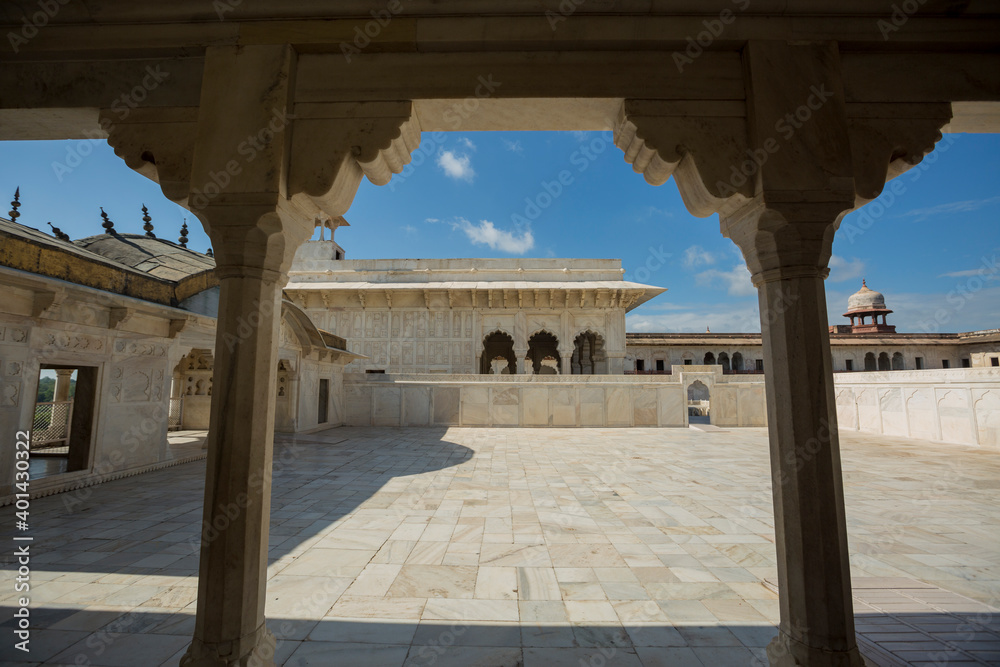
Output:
x=865 y=299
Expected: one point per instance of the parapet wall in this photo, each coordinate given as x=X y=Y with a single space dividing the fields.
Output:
x=960 y=405
x=549 y=400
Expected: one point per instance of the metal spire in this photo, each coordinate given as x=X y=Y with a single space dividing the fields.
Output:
x=184 y=234
x=109 y=227
x=58 y=233
x=14 y=205
x=148 y=226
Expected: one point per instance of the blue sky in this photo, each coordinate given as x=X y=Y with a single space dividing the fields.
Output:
x=930 y=246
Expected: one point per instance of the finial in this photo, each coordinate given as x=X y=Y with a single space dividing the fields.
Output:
x=58 y=233
x=148 y=226
x=184 y=234
x=708 y=330
x=14 y=205
x=863 y=284
x=109 y=227
x=210 y=252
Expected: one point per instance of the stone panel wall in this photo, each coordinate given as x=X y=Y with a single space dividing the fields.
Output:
x=959 y=405
x=541 y=401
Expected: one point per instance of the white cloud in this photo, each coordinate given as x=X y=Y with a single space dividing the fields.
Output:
x=465 y=141
x=653 y=211
x=485 y=233
x=513 y=146
x=696 y=256
x=580 y=135
x=409 y=229
x=456 y=166
x=736 y=281
x=951 y=207
x=432 y=220
x=842 y=269
x=957 y=310
x=683 y=318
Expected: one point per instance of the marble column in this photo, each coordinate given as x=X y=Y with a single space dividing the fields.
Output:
x=63 y=376
x=255 y=231
x=567 y=362
x=788 y=264
x=806 y=183
x=519 y=360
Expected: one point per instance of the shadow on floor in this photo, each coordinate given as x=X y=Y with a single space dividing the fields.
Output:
x=114 y=638
x=324 y=476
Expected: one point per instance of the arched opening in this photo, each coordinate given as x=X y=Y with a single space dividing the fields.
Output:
x=699 y=400
x=543 y=354
x=286 y=403
x=737 y=362
x=883 y=362
x=724 y=362
x=870 y=363
x=588 y=355
x=191 y=391
x=709 y=359
x=498 y=347
x=897 y=362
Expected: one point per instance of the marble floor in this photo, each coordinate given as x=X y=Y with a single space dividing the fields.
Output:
x=534 y=547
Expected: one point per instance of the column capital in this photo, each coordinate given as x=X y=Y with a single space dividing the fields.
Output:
x=784 y=239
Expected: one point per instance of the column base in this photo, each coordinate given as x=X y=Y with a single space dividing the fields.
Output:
x=254 y=650
x=783 y=651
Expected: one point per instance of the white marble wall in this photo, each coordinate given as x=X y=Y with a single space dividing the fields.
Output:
x=450 y=340
x=538 y=401
x=959 y=406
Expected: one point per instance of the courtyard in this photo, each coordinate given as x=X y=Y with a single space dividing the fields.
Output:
x=465 y=546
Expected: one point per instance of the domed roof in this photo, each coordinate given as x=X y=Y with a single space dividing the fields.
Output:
x=157 y=257
x=866 y=299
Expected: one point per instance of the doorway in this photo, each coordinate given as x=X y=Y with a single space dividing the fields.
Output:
x=63 y=423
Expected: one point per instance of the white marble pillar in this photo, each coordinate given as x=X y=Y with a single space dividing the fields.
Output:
x=567 y=362
x=814 y=578
x=519 y=360
x=255 y=232
x=63 y=377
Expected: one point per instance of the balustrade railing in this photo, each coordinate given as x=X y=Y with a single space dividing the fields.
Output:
x=51 y=426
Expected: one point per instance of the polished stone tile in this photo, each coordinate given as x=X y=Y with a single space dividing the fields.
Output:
x=384 y=541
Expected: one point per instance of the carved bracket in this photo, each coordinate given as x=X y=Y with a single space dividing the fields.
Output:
x=118 y=317
x=177 y=326
x=157 y=142
x=47 y=303
x=335 y=144
x=888 y=139
x=702 y=144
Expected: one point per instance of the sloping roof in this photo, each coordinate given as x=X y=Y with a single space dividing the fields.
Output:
x=128 y=264
x=157 y=257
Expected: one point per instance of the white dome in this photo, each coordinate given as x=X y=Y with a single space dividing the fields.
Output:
x=866 y=299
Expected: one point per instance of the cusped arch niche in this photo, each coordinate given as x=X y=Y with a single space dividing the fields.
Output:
x=497 y=343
